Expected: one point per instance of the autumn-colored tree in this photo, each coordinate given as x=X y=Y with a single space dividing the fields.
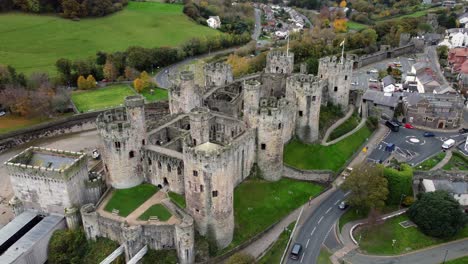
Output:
x=343 y=4
x=146 y=79
x=240 y=65
x=91 y=82
x=340 y=25
x=130 y=73
x=138 y=85
x=110 y=72
x=82 y=83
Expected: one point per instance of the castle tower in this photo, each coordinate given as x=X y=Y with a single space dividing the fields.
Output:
x=308 y=95
x=288 y=109
x=251 y=102
x=270 y=141
x=123 y=133
x=200 y=125
x=217 y=74
x=338 y=75
x=73 y=217
x=185 y=240
x=280 y=62
x=186 y=95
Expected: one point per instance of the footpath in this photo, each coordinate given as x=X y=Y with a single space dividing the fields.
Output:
x=337 y=124
x=444 y=161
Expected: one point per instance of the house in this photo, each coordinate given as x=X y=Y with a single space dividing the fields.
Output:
x=459 y=189
x=455 y=37
x=463 y=20
x=389 y=84
x=380 y=104
x=442 y=111
x=214 y=22
x=456 y=58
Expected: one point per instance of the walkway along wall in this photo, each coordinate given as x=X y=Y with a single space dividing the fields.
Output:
x=321 y=176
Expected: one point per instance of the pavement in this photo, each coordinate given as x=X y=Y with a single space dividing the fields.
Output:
x=337 y=124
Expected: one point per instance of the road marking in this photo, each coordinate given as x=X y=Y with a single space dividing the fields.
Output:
x=346 y=194
x=311 y=233
x=329 y=209
x=337 y=201
x=307 y=244
x=302 y=258
x=320 y=220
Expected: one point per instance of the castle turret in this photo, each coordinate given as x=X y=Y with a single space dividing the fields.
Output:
x=186 y=95
x=308 y=92
x=217 y=74
x=123 y=133
x=280 y=62
x=251 y=101
x=338 y=74
x=185 y=240
x=200 y=125
x=270 y=140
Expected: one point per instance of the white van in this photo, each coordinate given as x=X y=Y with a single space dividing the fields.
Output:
x=448 y=144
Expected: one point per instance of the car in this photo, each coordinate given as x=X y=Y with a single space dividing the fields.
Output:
x=408 y=125
x=354 y=83
x=428 y=134
x=373 y=80
x=392 y=125
x=397 y=122
x=2 y=113
x=296 y=251
x=343 y=205
x=373 y=71
x=448 y=144
x=463 y=130
x=96 y=154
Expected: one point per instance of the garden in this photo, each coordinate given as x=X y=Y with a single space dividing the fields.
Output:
x=127 y=200
x=431 y=162
x=156 y=210
x=457 y=162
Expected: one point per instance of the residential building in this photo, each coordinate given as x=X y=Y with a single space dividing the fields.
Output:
x=214 y=22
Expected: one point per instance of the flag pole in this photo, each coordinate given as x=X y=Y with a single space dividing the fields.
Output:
x=287 y=47
x=342 y=52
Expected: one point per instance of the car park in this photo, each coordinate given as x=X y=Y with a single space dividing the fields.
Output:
x=296 y=251
x=428 y=134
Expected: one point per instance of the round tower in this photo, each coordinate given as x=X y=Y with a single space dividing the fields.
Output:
x=185 y=240
x=186 y=95
x=338 y=73
x=308 y=92
x=217 y=74
x=17 y=205
x=280 y=62
x=270 y=143
x=200 y=125
x=72 y=216
x=251 y=102
x=123 y=134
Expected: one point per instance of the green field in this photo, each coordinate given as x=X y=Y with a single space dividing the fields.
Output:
x=110 y=96
x=462 y=260
x=276 y=251
x=378 y=239
x=157 y=95
x=431 y=162
x=158 y=210
x=127 y=200
x=34 y=42
x=318 y=157
x=356 y=26
x=177 y=199
x=457 y=162
x=259 y=204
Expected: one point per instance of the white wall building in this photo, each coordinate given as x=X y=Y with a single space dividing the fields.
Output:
x=214 y=22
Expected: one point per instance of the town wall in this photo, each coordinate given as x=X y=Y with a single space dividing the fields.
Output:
x=322 y=176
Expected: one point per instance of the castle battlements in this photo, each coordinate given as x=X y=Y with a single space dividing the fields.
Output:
x=217 y=67
x=275 y=54
x=327 y=63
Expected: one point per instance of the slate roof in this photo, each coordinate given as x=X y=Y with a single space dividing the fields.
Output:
x=380 y=98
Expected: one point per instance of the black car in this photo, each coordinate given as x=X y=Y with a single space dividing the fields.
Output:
x=463 y=130
x=392 y=125
x=429 y=134
x=296 y=251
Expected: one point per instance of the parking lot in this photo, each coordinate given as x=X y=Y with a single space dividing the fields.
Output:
x=411 y=146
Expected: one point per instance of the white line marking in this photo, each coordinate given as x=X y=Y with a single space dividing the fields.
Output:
x=329 y=209
x=302 y=258
x=346 y=194
x=320 y=220
x=307 y=244
x=337 y=201
x=311 y=233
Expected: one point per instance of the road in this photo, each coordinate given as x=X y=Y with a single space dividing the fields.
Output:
x=258 y=25
x=316 y=228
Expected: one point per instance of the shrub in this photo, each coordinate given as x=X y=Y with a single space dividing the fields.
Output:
x=399 y=183
x=241 y=258
x=372 y=122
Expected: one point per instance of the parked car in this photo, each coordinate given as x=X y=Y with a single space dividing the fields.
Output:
x=408 y=125
x=463 y=130
x=393 y=126
x=397 y=122
x=448 y=143
x=372 y=71
x=346 y=172
x=428 y=134
x=343 y=205
x=296 y=251
x=96 y=154
x=2 y=113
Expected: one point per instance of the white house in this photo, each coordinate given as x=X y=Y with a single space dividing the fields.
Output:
x=214 y=22
x=463 y=20
x=455 y=37
x=459 y=189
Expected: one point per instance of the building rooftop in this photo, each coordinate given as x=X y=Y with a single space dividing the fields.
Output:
x=13 y=227
x=381 y=98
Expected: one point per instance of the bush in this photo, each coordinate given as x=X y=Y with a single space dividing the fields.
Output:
x=241 y=258
x=399 y=183
x=408 y=201
x=372 y=122
x=438 y=214
x=160 y=257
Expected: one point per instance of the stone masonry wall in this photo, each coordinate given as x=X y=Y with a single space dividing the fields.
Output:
x=308 y=175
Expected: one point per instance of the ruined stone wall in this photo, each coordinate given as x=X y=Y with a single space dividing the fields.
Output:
x=322 y=176
x=186 y=95
x=339 y=75
x=280 y=62
x=162 y=170
x=273 y=85
x=217 y=74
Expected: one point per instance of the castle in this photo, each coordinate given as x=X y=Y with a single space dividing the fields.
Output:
x=209 y=143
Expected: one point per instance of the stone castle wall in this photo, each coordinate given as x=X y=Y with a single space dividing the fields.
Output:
x=322 y=176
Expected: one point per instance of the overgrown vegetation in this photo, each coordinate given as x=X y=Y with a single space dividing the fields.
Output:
x=399 y=183
x=160 y=257
x=127 y=200
x=431 y=162
x=344 y=128
x=329 y=114
x=457 y=162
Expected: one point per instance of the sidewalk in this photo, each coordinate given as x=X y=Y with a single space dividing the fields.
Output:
x=372 y=144
x=444 y=161
x=337 y=124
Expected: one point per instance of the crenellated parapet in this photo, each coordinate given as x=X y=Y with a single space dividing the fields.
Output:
x=280 y=62
x=217 y=74
x=338 y=73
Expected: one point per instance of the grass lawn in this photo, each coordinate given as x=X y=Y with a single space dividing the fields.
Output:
x=275 y=253
x=378 y=239
x=356 y=26
x=431 y=162
x=158 y=94
x=110 y=96
x=324 y=257
x=457 y=162
x=259 y=204
x=352 y=215
x=177 y=199
x=344 y=128
x=34 y=42
x=328 y=116
x=462 y=260
x=10 y=123
x=127 y=200
x=318 y=157
x=158 y=210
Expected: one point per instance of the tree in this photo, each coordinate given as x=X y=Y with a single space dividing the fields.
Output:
x=67 y=246
x=240 y=65
x=110 y=72
x=130 y=73
x=241 y=258
x=343 y=4
x=138 y=85
x=91 y=82
x=340 y=25
x=64 y=68
x=82 y=83
x=368 y=187
x=438 y=214
x=399 y=183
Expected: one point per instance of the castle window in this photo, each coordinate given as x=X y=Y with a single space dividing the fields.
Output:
x=194 y=142
x=131 y=154
x=300 y=113
x=321 y=75
x=346 y=77
x=335 y=89
x=159 y=165
x=279 y=126
x=143 y=142
x=232 y=133
x=263 y=146
x=195 y=173
x=196 y=210
x=117 y=145
x=179 y=171
x=201 y=188
x=314 y=98
x=150 y=162
x=169 y=168
x=214 y=193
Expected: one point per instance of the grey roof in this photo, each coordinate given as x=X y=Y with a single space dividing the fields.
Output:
x=456 y=30
x=387 y=80
x=455 y=187
x=378 y=97
x=419 y=65
x=425 y=78
x=15 y=225
x=33 y=237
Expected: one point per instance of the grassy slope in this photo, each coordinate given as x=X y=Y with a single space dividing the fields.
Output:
x=258 y=204
x=378 y=240
x=127 y=200
x=275 y=253
x=34 y=42
x=344 y=128
x=316 y=156
x=356 y=25
x=457 y=162
x=431 y=162
x=158 y=95
x=462 y=260
x=324 y=257
x=158 y=210
x=101 y=98
x=177 y=199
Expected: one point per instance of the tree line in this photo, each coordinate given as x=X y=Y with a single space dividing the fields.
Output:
x=66 y=8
